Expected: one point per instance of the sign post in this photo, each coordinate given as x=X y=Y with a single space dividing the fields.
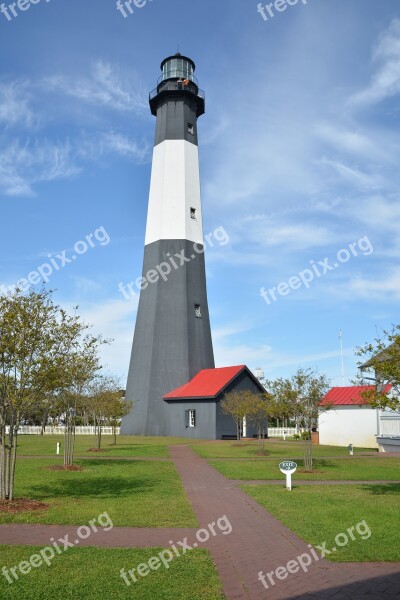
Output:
x=58 y=447
x=288 y=467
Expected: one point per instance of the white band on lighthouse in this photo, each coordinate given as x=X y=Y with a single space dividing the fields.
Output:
x=174 y=211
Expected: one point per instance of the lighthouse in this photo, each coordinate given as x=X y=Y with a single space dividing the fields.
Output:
x=172 y=340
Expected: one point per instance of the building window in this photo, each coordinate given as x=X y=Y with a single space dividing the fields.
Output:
x=193 y=213
x=191 y=128
x=197 y=311
x=190 y=418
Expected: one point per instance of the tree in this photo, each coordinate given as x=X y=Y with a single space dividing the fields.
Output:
x=39 y=344
x=381 y=359
x=258 y=407
x=237 y=405
x=118 y=408
x=83 y=364
x=301 y=396
x=106 y=404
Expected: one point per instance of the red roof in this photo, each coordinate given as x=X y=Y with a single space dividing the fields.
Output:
x=339 y=396
x=208 y=383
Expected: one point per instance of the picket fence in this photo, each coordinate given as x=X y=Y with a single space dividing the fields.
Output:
x=281 y=431
x=60 y=430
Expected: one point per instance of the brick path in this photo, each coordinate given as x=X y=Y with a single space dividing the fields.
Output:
x=259 y=542
x=117 y=537
x=97 y=457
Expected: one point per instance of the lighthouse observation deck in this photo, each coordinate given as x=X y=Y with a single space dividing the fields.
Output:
x=177 y=78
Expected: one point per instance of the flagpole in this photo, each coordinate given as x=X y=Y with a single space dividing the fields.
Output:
x=341 y=354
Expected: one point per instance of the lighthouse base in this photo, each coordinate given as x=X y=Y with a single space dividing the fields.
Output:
x=172 y=340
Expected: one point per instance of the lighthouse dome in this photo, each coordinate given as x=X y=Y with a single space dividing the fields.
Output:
x=178 y=67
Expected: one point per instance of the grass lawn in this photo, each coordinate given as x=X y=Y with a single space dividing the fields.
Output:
x=320 y=513
x=354 y=468
x=93 y=573
x=126 y=445
x=273 y=448
x=134 y=493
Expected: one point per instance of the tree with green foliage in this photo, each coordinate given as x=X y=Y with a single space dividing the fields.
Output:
x=300 y=396
x=43 y=351
x=237 y=405
x=258 y=407
x=380 y=363
x=106 y=404
x=117 y=408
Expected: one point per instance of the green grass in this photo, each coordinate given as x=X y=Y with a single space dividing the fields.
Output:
x=134 y=446
x=94 y=573
x=367 y=469
x=134 y=493
x=319 y=513
x=273 y=448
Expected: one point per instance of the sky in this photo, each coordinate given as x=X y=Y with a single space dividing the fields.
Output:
x=299 y=159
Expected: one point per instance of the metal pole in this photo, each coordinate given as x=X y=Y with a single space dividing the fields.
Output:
x=341 y=354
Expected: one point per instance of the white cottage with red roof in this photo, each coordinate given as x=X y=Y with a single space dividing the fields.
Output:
x=194 y=408
x=350 y=419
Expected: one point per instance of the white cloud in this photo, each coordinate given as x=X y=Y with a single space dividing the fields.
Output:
x=350 y=142
x=15 y=109
x=354 y=175
x=385 y=82
x=23 y=165
x=382 y=289
x=125 y=146
x=114 y=319
x=106 y=85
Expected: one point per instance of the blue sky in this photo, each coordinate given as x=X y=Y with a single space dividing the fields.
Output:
x=299 y=153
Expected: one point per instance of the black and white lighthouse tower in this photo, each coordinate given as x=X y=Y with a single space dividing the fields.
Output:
x=172 y=340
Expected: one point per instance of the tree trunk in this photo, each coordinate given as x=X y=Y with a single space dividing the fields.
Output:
x=69 y=445
x=8 y=456
x=308 y=459
x=114 y=430
x=13 y=461
x=44 y=421
x=99 y=436
x=2 y=459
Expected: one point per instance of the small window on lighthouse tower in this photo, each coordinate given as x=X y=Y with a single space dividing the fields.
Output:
x=197 y=311
x=191 y=128
x=193 y=213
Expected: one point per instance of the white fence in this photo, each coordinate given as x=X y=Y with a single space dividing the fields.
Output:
x=281 y=431
x=81 y=430
x=390 y=425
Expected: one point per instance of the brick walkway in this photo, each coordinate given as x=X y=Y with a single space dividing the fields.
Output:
x=117 y=537
x=97 y=457
x=259 y=542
